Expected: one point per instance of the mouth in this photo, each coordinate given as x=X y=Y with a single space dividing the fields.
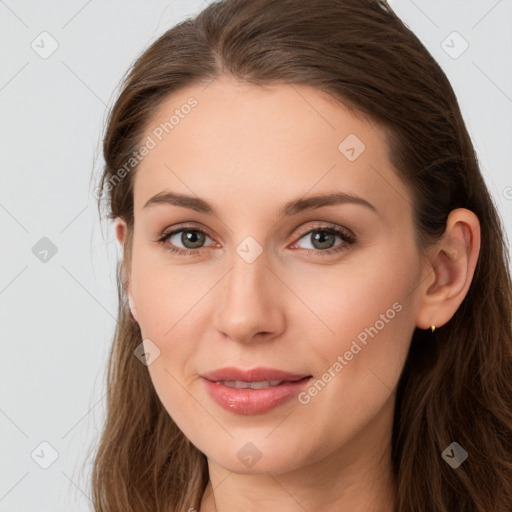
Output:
x=262 y=384
x=253 y=375
x=256 y=391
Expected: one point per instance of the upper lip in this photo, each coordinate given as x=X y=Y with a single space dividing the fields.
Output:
x=252 y=375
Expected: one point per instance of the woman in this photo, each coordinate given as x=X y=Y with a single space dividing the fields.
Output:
x=315 y=303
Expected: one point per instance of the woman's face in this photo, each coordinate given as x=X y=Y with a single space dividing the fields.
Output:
x=269 y=284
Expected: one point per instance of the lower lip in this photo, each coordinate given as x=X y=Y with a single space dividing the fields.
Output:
x=254 y=401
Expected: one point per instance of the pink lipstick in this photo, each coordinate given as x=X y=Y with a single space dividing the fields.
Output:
x=253 y=391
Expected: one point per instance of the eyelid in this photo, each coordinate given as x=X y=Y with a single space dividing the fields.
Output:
x=184 y=226
x=325 y=225
x=167 y=233
x=344 y=233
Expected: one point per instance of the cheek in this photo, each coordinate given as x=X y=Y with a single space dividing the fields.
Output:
x=170 y=312
x=365 y=320
x=367 y=297
x=163 y=293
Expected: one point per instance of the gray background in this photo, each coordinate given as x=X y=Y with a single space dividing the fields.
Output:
x=58 y=316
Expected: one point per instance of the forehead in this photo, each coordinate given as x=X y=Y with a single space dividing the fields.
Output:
x=234 y=142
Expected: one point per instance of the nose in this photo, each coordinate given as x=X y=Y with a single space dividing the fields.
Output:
x=250 y=302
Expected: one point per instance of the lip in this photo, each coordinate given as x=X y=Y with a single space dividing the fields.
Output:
x=253 y=401
x=252 y=375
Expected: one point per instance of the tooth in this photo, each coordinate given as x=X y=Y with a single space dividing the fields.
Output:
x=260 y=385
x=235 y=384
x=240 y=384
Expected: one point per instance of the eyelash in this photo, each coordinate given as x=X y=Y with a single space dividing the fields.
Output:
x=347 y=237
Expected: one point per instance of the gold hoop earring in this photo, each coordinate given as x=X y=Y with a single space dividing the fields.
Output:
x=432 y=328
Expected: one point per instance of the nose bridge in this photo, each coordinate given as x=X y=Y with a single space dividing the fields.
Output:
x=249 y=304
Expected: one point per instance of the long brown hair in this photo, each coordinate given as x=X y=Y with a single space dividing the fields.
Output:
x=456 y=385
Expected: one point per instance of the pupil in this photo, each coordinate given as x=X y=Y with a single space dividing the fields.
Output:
x=320 y=236
x=190 y=236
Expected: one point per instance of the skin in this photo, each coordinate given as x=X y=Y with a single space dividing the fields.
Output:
x=248 y=150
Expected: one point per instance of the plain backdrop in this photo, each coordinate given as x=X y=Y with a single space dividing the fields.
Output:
x=57 y=286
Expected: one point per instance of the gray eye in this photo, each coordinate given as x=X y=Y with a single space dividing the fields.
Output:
x=321 y=239
x=190 y=238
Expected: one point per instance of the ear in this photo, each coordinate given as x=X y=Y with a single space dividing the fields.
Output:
x=449 y=270
x=121 y=230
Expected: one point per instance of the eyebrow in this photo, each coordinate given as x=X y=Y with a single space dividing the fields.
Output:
x=291 y=208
